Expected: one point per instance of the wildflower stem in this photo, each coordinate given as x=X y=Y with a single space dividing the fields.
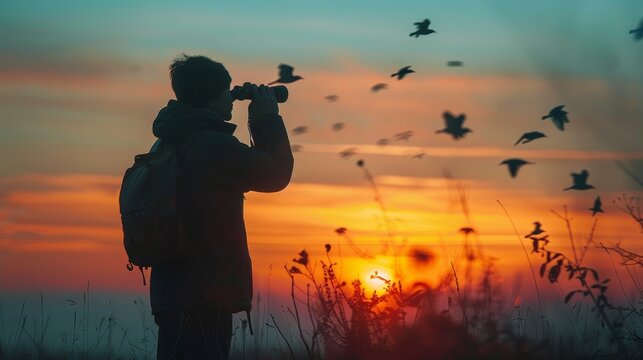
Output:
x=294 y=303
x=533 y=275
x=569 y=231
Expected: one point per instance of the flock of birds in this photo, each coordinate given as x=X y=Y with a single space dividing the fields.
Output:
x=454 y=123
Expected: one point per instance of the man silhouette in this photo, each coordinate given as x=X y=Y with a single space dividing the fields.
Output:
x=193 y=299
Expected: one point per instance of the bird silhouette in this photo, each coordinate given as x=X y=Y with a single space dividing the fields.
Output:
x=379 y=86
x=467 y=230
x=514 y=165
x=332 y=98
x=558 y=117
x=597 y=206
x=421 y=256
x=422 y=28
x=537 y=230
x=453 y=125
x=638 y=32
x=285 y=75
x=299 y=130
x=403 y=72
x=347 y=153
x=580 y=181
x=419 y=155
x=529 y=136
x=455 y=63
x=403 y=136
x=339 y=126
x=382 y=142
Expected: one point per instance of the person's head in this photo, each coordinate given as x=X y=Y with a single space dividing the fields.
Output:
x=200 y=82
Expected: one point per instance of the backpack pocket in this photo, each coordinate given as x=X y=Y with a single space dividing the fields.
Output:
x=151 y=238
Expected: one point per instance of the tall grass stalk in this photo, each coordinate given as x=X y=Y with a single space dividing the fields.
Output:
x=531 y=269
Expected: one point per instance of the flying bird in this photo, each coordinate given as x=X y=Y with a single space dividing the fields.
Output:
x=382 y=142
x=537 y=230
x=285 y=75
x=339 y=126
x=405 y=135
x=421 y=256
x=419 y=155
x=379 y=86
x=295 y=148
x=529 y=136
x=347 y=153
x=453 y=125
x=597 y=206
x=514 y=165
x=558 y=117
x=299 y=130
x=638 y=32
x=422 y=28
x=332 y=98
x=403 y=72
x=455 y=63
x=580 y=181
x=467 y=230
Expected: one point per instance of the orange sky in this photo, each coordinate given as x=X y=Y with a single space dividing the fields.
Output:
x=60 y=231
x=67 y=139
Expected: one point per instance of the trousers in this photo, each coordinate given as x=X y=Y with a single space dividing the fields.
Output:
x=194 y=335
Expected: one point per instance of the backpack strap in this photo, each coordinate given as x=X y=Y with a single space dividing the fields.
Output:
x=186 y=143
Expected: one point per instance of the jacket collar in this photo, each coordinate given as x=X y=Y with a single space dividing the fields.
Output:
x=178 y=119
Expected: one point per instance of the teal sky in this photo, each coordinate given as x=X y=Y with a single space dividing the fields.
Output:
x=570 y=37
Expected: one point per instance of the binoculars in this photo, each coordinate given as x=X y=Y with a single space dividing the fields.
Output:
x=244 y=92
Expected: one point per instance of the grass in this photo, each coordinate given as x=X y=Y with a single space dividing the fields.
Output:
x=347 y=323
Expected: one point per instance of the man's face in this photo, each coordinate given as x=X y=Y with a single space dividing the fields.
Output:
x=223 y=105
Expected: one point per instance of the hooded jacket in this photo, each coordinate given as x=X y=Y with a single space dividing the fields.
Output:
x=216 y=170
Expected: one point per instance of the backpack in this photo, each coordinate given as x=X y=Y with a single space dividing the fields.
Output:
x=152 y=231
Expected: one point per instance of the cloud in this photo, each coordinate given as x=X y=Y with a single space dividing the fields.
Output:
x=75 y=124
x=71 y=65
x=472 y=152
x=66 y=212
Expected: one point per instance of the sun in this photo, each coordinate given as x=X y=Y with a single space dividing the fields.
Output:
x=376 y=280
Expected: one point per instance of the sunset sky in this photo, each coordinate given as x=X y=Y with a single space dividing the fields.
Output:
x=81 y=82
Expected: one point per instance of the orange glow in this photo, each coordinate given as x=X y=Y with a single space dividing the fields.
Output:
x=376 y=280
x=472 y=152
x=76 y=229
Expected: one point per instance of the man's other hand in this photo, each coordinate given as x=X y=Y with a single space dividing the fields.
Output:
x=263 y=101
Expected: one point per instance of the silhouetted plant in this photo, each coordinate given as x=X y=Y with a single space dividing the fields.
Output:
x=350 y=323
x=631 y=206
x=354 y=322
x=590 y=283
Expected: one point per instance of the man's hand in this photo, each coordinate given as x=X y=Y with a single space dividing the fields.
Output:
x=263 y=101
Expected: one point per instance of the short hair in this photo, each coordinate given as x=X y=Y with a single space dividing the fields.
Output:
x=197 y=80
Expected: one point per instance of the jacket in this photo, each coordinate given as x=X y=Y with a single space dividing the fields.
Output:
x=216 y=170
